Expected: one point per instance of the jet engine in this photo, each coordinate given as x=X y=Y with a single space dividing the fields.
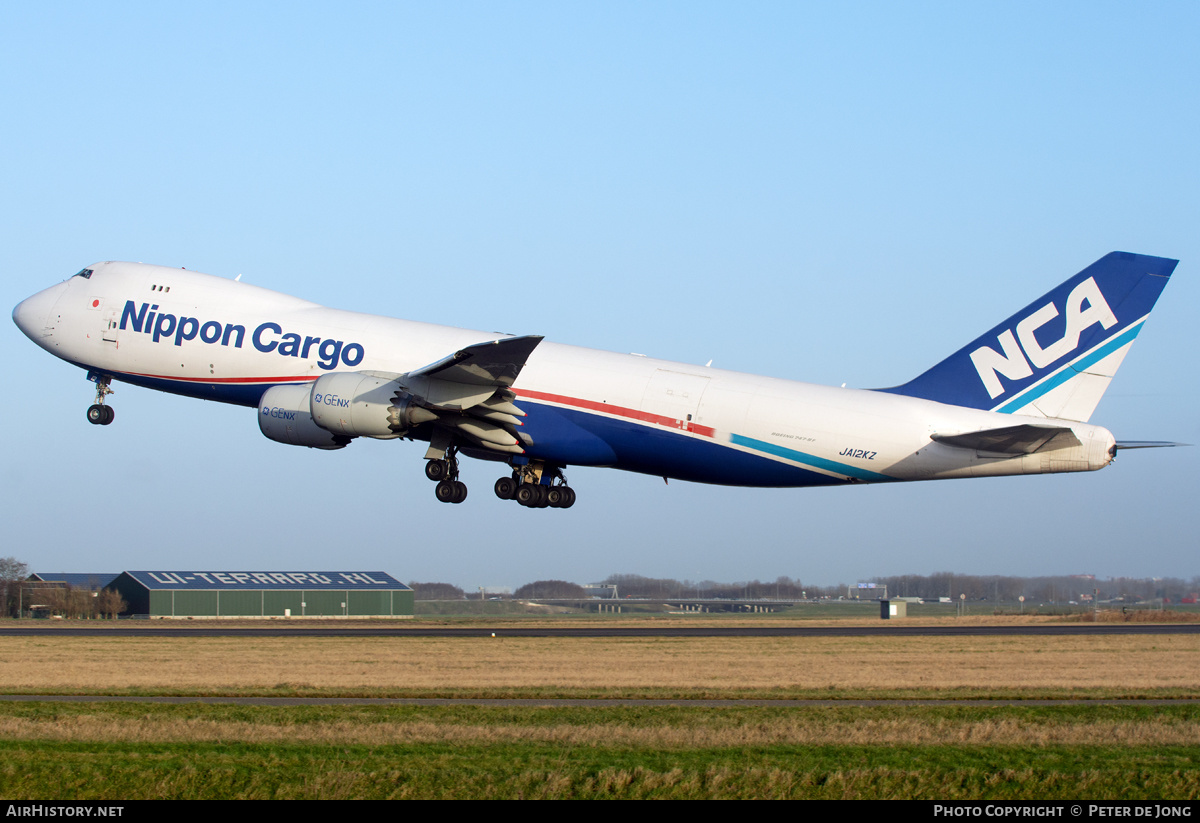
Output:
x=329 y=412
x=284 y=416
x=354 y=404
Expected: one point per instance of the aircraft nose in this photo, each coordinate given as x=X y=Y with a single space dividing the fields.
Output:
x=32 y=314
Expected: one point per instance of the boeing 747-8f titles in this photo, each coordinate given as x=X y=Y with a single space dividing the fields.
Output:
x=1013 y=401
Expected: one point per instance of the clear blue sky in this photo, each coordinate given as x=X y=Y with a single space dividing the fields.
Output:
x=828 y=192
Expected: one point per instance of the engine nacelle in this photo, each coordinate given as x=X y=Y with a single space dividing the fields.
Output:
x=360 y=405
x=284 y=416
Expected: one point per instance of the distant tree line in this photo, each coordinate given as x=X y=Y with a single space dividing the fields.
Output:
x=75 y=603
x=784 y=588
x=12 y=576
x=1048 y=589
x=436 y=591
x=551 y=590
x=19 y=595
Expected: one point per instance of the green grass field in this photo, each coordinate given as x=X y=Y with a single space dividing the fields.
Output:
x=112 y=751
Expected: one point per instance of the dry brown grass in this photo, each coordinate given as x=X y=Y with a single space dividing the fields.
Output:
x=225 y=665
x=1137 y=616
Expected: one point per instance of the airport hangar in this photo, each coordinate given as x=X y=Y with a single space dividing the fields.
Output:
x=199 y=594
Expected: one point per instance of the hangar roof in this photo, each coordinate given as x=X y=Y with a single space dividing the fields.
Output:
x=77 y=580
x=371 y=581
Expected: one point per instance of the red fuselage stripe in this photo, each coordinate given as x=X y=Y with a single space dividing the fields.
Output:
x=224 y=380
x=562 y=400
x=618 y=411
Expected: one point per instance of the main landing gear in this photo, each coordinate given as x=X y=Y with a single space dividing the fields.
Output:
x=445 y=473
x=99 y=414
x=536 y=486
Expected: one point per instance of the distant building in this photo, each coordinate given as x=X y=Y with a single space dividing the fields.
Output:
x=183 y=594
x=89 y=581
x=867 y=591
x=69 y=594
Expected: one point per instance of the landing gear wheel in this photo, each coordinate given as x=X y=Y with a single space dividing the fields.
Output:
x=560 y=497
x=99 y=414
x=435 y=470
x=506 y=488
x=527 y=495
x=451 y=491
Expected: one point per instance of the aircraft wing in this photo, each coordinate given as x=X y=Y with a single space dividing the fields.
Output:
x=466 y=396
x=1025 y=439
x=479 y=374
x=496 y=363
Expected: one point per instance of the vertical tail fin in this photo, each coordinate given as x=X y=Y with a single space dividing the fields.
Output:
x=1055 y=357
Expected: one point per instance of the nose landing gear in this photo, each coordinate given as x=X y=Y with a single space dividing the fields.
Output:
x=99 y=414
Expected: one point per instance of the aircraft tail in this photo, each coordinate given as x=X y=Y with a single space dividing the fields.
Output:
x=1055 y=357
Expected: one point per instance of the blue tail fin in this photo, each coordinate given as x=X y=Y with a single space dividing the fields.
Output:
x=1055 y=357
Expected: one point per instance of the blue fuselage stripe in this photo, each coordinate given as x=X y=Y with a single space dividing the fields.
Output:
x=570 y=436
x=808 y=459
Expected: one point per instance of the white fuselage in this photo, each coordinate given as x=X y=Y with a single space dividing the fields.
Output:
x=214 y=338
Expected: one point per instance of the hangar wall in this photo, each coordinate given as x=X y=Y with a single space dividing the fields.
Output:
x=264 y=594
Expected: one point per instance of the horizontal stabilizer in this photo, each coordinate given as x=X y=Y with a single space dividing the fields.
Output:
x=1147 y=444
x=1012 y=439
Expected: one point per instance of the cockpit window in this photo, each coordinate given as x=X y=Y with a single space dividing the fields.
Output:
x=86 y=274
